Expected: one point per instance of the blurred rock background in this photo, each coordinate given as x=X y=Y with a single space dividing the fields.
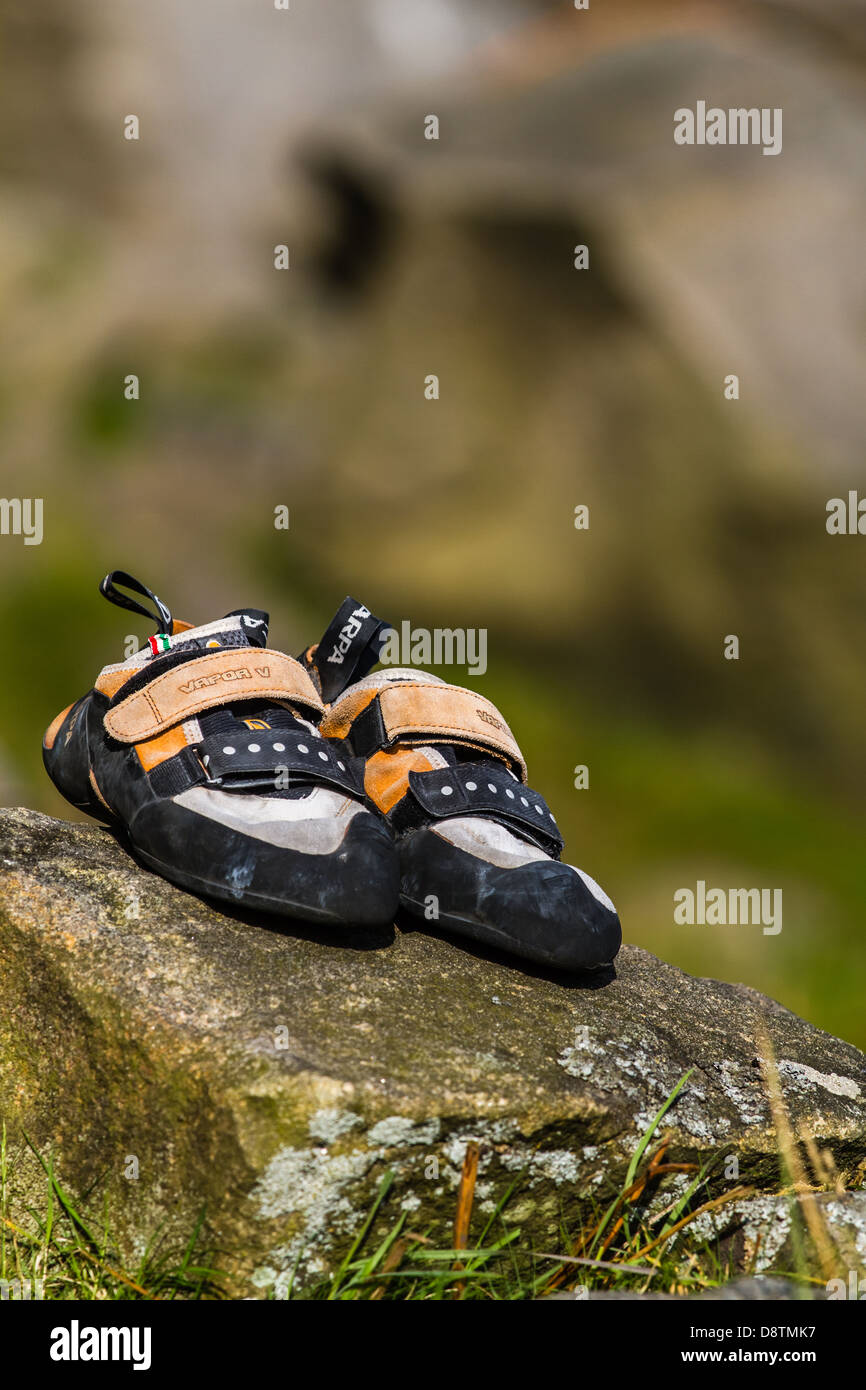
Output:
x=558 y=387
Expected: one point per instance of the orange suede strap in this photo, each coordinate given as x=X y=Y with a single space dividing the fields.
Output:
x=414 y=713
x=244 y=673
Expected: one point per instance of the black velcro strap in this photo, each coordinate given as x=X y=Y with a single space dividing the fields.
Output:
x=275 y=757
x=350 y=647
x=483 y=789
x=176 y=774
x=367 y=734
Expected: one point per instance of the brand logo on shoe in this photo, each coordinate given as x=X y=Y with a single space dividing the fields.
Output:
x=242 y=673
x=72 y=723
x=489 y=719
x=348 y=633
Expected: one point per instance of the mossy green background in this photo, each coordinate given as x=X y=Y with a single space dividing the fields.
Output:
x=261 y=389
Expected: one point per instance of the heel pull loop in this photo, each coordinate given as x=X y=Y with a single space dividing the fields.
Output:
x=162 y=617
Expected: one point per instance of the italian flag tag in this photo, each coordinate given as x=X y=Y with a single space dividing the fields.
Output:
x=160 y=643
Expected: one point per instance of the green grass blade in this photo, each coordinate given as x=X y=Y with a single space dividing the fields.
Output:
x=384 y=1188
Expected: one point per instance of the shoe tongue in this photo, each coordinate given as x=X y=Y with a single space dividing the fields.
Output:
x=253 y=625
x=245 y=627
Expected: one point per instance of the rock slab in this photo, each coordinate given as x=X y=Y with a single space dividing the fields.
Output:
x=175 y=1057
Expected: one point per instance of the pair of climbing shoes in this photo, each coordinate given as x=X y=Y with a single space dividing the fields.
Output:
x=308 y=787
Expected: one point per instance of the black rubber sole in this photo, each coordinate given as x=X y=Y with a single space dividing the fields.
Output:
x=541 y=911
x=357 y=884
x=254 y=902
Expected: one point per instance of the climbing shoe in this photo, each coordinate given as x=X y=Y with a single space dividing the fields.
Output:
x=203 y=748
x=479 y=852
